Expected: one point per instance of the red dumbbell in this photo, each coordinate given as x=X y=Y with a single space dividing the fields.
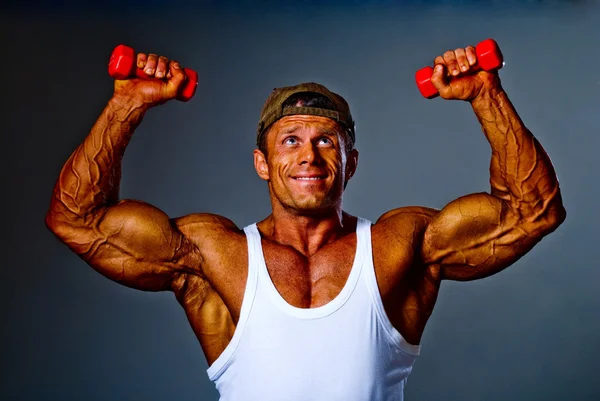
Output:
x=122 y=65
x=489 y=57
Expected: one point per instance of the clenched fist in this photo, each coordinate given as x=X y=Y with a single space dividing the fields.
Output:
x=456 y=75
x=162 y=80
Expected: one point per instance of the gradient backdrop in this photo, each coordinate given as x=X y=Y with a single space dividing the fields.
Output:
x=528 y=333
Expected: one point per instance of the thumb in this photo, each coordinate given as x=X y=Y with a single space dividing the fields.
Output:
x=439 y=78
x=177 y=80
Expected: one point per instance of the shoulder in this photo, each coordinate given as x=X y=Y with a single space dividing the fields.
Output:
x=205 y=220
x=397 y=237
x=209 y=231
x=417 y=217
x=222 y=246
x=402 y=229
x=198 y=224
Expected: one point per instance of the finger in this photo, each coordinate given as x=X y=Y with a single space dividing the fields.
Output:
x=141 y=60
x=461 y=60
x=471 y=55
x=151 y=64
x=450 y=60
x=161 y=67
x=439 y=60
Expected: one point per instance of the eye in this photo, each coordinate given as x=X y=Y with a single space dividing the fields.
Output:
x=290 y=140
x=325 y=140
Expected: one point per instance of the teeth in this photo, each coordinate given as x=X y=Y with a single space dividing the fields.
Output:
x=308 y=178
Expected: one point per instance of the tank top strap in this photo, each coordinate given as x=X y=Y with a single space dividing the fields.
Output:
x=371 y=282
x=363 y=235
x=254 y=255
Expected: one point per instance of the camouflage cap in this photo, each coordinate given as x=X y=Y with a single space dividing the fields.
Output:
x=273 y=108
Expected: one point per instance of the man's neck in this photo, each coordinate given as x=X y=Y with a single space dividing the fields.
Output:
x=307 y=233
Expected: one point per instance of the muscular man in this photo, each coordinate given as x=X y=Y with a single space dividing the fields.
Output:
x=310 y=303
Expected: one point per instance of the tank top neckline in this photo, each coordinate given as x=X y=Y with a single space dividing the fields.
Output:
x=320 y=311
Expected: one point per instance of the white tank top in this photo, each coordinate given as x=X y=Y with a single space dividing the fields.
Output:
x=344 y=350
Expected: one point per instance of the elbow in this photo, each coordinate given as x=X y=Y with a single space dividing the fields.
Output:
x=555 y=215
x=53 y=218
x=53 y=223
x=558 y=215
x=543 y=221
x=62 y=223
x=547 y=214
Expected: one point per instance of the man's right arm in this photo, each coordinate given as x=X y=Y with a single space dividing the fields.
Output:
x=128 y=241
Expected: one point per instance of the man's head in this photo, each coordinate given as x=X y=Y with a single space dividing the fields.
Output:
x=305 y=143
x=304 y=99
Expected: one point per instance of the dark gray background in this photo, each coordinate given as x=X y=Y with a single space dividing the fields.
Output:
x=528 y=333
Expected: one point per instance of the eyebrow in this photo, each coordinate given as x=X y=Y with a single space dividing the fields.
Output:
x=321 y=130
x=289 y=130
x=329 y=131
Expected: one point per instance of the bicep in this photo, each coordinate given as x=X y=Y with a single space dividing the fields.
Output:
x=476 y=236
x=135 y=244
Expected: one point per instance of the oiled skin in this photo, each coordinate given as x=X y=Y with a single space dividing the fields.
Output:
x=202 y=258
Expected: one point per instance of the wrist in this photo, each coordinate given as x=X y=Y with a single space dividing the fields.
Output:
x=126 y=106
x=490 y=90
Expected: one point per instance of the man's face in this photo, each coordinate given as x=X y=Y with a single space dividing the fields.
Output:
x=306 y=163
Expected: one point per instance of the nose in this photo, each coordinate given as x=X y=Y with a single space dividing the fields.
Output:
x=308 y=154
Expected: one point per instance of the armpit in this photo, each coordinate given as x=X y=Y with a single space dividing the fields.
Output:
x=207 y=313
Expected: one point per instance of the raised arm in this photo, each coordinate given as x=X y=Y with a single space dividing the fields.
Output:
x=128 y=241
x=480 y=234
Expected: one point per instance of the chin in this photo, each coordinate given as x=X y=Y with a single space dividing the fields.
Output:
x=313 y=206
x=317 y=202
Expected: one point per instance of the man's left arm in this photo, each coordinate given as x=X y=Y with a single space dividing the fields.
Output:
x=480 y=234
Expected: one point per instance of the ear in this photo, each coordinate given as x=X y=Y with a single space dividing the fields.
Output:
x=351 y=164
x=260 y=165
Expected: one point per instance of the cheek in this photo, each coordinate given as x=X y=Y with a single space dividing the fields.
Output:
x=279 y=164
x=338 y=161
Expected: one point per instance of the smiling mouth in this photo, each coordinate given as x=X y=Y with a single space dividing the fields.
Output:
x=308 y=178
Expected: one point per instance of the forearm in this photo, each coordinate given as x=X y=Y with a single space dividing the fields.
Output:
x=90 y=178
x=521 y=172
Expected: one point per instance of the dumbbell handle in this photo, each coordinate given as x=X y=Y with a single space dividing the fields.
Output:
x=122 y=65
x=489 y=57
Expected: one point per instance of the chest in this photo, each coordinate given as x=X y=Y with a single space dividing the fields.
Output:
x=310 y=281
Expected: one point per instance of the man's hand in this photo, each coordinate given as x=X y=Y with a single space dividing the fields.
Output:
x=165 y=80
x=456 y=76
